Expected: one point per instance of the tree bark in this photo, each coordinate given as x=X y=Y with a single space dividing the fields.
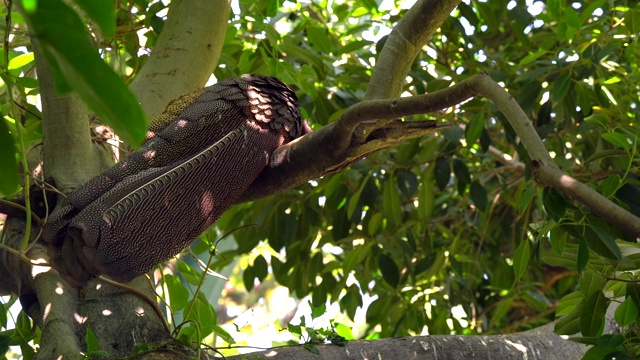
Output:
x=539 y=343
x=403 y=45
x=185 y=55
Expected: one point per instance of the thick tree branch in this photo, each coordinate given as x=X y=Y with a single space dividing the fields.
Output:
x=403 y=45
x=361 y=130
x=70 y=158
x=185 y=54
x=539 y=343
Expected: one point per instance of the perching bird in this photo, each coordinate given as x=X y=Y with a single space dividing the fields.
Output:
x=200 y=155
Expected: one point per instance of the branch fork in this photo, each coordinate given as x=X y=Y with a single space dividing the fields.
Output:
x=372 y=125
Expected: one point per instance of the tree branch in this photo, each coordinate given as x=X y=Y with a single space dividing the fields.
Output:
x=403 y=45
x=70 y=158
x=340 y=144
x=361 y=130
x=187 y=51
x=539 y=343
x=544 y=169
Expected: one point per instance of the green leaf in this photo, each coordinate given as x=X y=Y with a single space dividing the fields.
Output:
x=351 y=301
x=521 y=258
x=561 y=87
x=295 y=329
x=591 y=282
x=473 y=131
x=374 y=223
x=24 y=326
x=536 y=73
x=248 y=278
x=502 y=309
x=319 y=38
x=569 y=303
x=583 y=255
x=593 y=314
x=353 y=46
x=272 y=7
x=610 y=249
x=586 y=14
x=9 y=182
x=554 y=203
x=610 y=185
x=188 y=273
x=525 y=200
x=20 y=61
x=28 y=82
x=598 y=353
x=426 y=196
x=5 y=341
x=627 y=312
x=532 y=57
x=442 y=172
x=102 y=12
x=618 y=139
x=479 y=195
x=260 y=267
x=355 y=198
x=632 y=20
x=356 y=256
x=3 y=316
x=461 y=171
x=312 y=349
x=91 y=340
x=610 y=341
x=317 y=311
x=558 y=239
x=389 y=269
x=344 y=331
x=424 y=264
x=224 y=335
x=570 y=323
x=407 y=182
x=100 y=353
x=391 y=204
x=178 y=293
x=303 y=55
x=204 y=315
x=75 y=63
x=633 y=291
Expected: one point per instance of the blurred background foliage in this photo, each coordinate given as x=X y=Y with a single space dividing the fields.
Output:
x=447 y=234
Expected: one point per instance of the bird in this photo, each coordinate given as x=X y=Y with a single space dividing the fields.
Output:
x=199 y=156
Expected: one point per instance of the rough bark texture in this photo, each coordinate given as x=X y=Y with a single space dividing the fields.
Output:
x=527 y=345
x=536 y=344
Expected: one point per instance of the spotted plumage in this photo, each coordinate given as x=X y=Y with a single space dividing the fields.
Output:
x=200 y=155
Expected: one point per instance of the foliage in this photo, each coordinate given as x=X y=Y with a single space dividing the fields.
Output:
x=449 y=221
